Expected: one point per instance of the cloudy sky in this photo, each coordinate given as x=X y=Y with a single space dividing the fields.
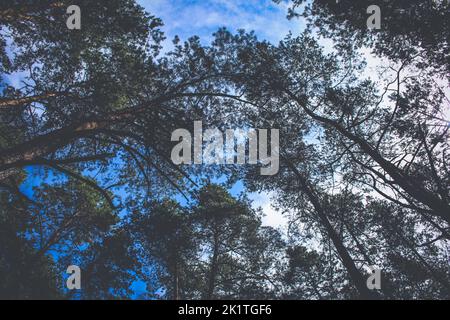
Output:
x=203 y=17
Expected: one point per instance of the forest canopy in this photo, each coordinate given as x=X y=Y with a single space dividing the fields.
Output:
x=363 y=177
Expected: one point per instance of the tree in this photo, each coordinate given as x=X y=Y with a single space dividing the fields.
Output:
x=215 y=250
x=22 y=279
x=62 y=225
x=351 y=114
x=167 y=245
x=241 y=255
x=288 y=85
x=408 y=28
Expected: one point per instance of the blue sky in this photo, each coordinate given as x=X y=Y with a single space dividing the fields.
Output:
x=203 y=17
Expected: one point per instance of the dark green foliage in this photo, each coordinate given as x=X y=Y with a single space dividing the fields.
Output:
x=215 y=250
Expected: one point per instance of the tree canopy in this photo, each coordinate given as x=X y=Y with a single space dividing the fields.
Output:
x=363 y=180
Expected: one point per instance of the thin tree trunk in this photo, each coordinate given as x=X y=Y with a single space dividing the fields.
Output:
x=25 y=153
x=59 y=138
x=176 y=292
x=385 y=289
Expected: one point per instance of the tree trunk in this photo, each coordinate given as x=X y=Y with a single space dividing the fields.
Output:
x=213 y=268
x=357 y=278
x=176 y=290
x=438 y=206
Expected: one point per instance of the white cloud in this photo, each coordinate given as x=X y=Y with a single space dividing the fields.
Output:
x=272 y=218
x=15 y=79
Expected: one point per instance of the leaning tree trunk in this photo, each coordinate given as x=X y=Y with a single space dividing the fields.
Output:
x=357 y=278
x=214 y=268
x=439 y=207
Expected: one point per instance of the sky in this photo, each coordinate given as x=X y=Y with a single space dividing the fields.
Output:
x=186 y=18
